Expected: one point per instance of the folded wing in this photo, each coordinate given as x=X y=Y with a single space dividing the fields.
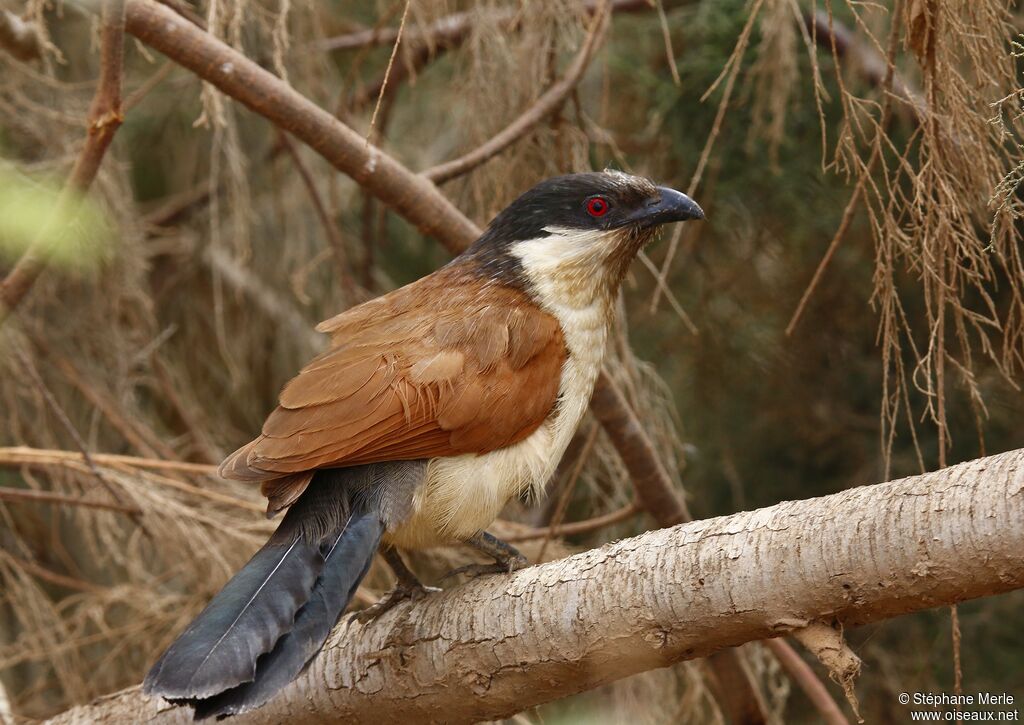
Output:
x=441 y=367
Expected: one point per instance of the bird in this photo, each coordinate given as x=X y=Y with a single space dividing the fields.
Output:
x=433 y=406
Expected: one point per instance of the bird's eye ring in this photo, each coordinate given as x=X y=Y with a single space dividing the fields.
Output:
x=597 y=206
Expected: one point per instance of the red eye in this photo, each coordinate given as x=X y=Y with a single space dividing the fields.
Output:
x=597 y=206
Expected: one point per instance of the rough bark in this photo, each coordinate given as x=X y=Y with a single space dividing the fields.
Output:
x=498 y=645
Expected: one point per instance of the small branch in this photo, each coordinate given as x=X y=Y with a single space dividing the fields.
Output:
x=69 y=427
x=42 y=458
x=206 y=449
x=579 y=527
x=104 y=119
x=387 y=85
x=547 y=104
x=27 y=456
x=341 y=261
x=265 y=298
x=872 y=66
x=41 y=572
x=840 y=41
x=413 y=197
x=135 y=434
x=18 y=38
x=453 y=29
x=837 y=238
x=30 y=496
x=654 y=488
x=805 y=678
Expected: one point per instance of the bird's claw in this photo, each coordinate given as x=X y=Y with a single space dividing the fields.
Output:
x=401 y=592
x=513 y=563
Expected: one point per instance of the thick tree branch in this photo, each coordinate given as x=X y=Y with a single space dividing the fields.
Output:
x=495 y=646
x=734 y=688
x=104 y=120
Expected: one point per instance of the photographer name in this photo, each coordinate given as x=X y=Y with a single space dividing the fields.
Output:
x=982 y=698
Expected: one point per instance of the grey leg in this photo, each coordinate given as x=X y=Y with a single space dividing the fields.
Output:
x=408 y=586
x=507 y=558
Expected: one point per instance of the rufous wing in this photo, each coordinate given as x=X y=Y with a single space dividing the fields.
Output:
x=445 y=366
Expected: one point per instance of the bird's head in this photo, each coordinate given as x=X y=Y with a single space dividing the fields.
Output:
x=580 y=230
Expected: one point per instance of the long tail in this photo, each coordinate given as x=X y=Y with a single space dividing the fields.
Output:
x=272 y=618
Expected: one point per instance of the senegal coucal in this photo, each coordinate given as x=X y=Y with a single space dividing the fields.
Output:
x=434 y=405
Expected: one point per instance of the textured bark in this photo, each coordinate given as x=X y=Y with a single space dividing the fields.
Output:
x=496 y=646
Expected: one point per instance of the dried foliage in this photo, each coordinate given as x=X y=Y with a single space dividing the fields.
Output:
x=173 y=345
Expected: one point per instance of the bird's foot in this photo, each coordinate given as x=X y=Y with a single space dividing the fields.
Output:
x=401 y=592
x=502 y=566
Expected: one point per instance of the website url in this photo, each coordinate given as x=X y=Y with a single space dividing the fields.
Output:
x=965 y=716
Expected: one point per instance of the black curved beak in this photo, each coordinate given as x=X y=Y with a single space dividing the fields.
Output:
x=673 y=206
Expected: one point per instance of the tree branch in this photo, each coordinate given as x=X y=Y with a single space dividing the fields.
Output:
x=104 y=120
x=413 y=197
x=27 y=495
x=495 y=646
x=452 y=30
x=654 y=489
x=547 y=104
x=872 y=66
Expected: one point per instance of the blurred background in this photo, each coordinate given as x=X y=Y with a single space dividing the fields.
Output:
x=183 y=295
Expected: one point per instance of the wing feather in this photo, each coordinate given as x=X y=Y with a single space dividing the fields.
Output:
x=442 y=367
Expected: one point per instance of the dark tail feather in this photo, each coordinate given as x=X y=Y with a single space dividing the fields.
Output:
x=219 y=649
x=283 y=602
x=346 y=563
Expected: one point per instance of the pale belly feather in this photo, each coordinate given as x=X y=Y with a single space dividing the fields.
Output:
x=464 y=494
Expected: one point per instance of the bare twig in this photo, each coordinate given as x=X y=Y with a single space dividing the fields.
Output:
x=27 y=456
x=52 y=577
x=452 y=29
x=654 y=489
x=105 y=118
x=871 y=65
x=548 y=103
x=31 y=496
x=836 y=40
x=341 y=261
x=413 y=197
x=68 y=426
x=43 y=458
x=387 y=71
x=575 y=528
x=207 y=450
x=805 y=678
